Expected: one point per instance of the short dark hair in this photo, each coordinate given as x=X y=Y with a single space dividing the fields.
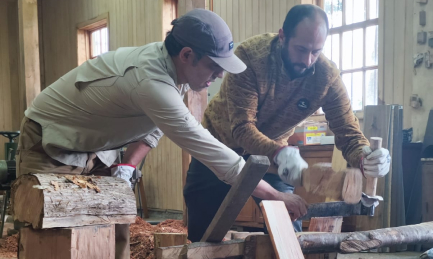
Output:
x=173 y=47
x=299 y=13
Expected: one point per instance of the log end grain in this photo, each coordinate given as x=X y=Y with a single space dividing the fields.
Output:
x=352 y=186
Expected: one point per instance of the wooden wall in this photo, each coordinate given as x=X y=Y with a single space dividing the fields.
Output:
x=131 y=23
x=10 y=104
x=247 y=18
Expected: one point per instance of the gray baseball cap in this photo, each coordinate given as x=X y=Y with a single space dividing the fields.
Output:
x=207 y=32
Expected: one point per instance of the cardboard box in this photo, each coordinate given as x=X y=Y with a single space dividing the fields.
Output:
x=309 y=133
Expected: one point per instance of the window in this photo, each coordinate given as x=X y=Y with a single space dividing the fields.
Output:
x=352 y=45
x=98 y=41
x=92 y=38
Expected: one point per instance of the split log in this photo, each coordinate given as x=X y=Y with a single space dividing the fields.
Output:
x=50 y=201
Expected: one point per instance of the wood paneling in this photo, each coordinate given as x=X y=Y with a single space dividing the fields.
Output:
x=247 y=18
x=11 y=106
x=131 y=23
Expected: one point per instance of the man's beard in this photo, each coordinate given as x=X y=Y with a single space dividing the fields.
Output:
x=289 y=66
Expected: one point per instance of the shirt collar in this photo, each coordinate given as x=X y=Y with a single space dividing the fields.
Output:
x=171 y=68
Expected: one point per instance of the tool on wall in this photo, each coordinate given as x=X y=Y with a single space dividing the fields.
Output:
x=421 y=37
x=422 y=18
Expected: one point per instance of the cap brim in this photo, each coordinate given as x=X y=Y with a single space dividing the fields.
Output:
x=231 y=64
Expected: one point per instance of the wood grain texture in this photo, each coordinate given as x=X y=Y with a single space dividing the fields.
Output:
x=68 y=243
x=247 y=18
x=280 y=228
x=352 y=186
x=251 y=174
x=200 y=250
x=328 y=224
x=169 y=239
x=34 y=200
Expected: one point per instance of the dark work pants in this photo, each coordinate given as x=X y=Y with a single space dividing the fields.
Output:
x=204 y=193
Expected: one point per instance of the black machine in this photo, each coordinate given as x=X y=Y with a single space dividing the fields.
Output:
x=7 y=170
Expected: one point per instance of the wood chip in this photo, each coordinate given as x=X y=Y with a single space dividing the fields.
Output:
x=55 y=184
x=83 y=182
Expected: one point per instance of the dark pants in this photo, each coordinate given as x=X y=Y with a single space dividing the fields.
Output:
x=204 y=193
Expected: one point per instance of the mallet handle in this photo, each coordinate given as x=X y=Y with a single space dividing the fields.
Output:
x=370 y=187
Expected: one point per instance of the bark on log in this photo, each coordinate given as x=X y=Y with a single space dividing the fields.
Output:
x=366 y=240
x=49 y=201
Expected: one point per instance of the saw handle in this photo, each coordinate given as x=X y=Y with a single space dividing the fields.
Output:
x=370 y=186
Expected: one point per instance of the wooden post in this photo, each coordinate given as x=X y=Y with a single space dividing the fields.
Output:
x=30 y=78
x=239 y=193
x=67 y=243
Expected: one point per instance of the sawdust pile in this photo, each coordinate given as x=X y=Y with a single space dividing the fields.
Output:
x=9 y=246
x=142 y=235
x=141 y=238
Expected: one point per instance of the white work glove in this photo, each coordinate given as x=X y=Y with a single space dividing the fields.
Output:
x=376 y=163
x=123 y=171
x=290 y=165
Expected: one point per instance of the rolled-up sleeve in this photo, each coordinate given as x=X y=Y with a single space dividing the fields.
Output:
x=163 y=104
x=153 y=138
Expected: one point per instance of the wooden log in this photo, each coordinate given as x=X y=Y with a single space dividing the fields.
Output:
x=67 y=243
x=169 y=239
x=34 y=200
x=312 y=243
x=239 y=193
x=281 y=230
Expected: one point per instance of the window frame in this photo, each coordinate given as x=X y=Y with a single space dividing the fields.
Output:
x=84 y=30
x=351 y=27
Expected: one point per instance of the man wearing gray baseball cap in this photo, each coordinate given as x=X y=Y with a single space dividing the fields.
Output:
x=132 y=96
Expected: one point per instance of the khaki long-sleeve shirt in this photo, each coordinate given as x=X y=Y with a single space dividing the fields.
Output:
x=256 y=111
x=121 y=97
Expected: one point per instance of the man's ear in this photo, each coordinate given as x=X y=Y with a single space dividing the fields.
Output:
x=186 y=55
x=281 y=36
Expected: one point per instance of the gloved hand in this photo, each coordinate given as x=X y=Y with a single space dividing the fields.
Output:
x=290 y=165
x=123 y=171
x=376 y=163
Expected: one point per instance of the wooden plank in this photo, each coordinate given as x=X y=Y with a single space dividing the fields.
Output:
x=169 y=239
x=67 y=243
x=199 y=250
x=30 y=76
x=338 y=161
x=281 y=230
x=250 y=176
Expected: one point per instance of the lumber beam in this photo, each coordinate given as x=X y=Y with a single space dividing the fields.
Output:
x=50 y=201
x=253 y=171
x=67 y=243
